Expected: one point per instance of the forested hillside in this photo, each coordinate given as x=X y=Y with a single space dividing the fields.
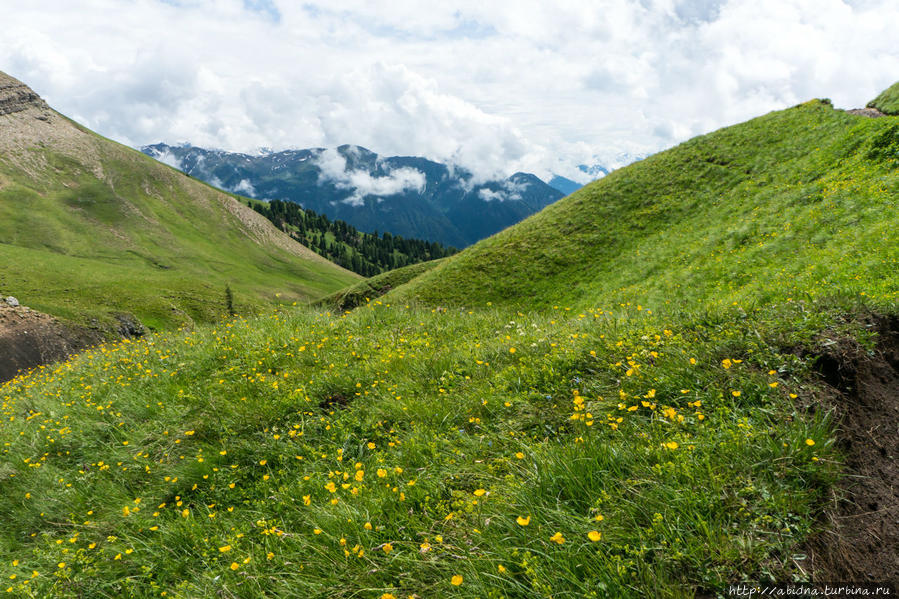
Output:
x=367 y=254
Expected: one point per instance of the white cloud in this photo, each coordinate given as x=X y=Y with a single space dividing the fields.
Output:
x=333 y=167
x=244 y=187
x=488 y=195
x=510 y=191
x=166 y=157
x=493 y=86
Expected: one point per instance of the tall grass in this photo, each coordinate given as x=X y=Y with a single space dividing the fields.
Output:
x=395 y=448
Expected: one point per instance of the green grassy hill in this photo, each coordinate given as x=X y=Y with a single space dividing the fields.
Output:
x=90 y=228
x=888 y=100
x=801 y=203
x=376 y=286
x=682 y=377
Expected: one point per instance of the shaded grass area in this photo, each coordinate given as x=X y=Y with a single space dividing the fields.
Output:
x=567 y=454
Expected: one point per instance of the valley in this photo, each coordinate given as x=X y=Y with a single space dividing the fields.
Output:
x=407 y=196
x=678 y=378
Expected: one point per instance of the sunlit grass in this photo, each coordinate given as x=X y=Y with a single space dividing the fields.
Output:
x=394 y=449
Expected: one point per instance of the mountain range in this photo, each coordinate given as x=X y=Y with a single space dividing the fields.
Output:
x=409 y=196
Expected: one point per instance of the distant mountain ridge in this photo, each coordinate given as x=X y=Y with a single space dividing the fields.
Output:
x=564 y=184
x=406 y=195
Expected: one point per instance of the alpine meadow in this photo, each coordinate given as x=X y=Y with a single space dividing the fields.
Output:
x=683 y=376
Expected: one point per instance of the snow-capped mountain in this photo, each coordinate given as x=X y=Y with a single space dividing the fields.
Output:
x=405 y=195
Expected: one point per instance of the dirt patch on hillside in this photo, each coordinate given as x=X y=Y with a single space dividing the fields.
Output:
x=29 y=338
x=862 y=540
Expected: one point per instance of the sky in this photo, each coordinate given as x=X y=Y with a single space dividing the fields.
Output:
x=493 y=86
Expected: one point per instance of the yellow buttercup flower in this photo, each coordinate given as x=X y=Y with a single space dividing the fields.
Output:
x=557 y=538
x=456 y=580
x=523 y=521
x=594 y=535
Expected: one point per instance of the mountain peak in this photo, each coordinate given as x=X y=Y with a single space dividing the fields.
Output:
x=15 y=96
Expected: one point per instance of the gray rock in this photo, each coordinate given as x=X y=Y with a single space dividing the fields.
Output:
x=12 y=301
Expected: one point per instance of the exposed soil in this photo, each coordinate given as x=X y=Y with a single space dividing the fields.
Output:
x=29 y=338
x=335 y=400
x=862 y=540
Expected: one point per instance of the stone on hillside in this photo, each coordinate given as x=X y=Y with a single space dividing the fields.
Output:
x=12 y=301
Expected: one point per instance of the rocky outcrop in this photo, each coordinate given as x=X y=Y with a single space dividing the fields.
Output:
x=871 y=113
x=15 y=96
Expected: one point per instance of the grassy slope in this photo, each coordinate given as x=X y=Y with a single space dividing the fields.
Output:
x=888 y=100
x=635 y=448
x=201 y=464
x=376 y=286
x=142 y=239
x=797 y=203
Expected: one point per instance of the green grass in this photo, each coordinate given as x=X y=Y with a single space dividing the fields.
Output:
x=888 y=100
x=141 y=238
x=376 y=286
x=795 y=204
x=629 y=372
x=238 y=424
